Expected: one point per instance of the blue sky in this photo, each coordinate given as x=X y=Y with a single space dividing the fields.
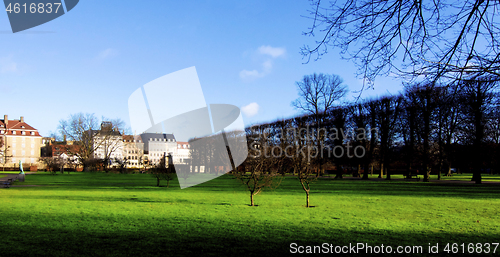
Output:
x=90 y=60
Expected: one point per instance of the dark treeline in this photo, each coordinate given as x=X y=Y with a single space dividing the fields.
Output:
x=426 y=129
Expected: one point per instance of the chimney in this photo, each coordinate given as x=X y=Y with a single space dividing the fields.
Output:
x=6 y=120
x=64 y=138
x=22 y=119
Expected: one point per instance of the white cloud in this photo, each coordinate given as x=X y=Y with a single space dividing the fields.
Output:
x=108 y=53
x=267 y=54
x=250 y=110
x=272 y=51
x=267 y=66
x=250 y=74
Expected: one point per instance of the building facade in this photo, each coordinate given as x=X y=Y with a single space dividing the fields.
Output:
x=108 y=143
x=156 y=146
x=181 y=155
x=133 y=151
x=20 y=142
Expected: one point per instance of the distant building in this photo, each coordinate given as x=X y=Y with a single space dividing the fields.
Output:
x=108 y=143
x=133 y=151
x=156 y=146
x=21 y=142
x=181 y=156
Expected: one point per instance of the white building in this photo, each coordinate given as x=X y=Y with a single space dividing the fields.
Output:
x=19 y=142
x=108 y=143
x=181 y=155
x=158 y=145
x=133 y=151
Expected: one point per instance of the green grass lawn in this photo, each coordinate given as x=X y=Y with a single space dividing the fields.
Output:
x=100 y=214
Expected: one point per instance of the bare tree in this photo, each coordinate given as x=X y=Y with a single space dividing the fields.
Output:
x=477 y=95
x=51 y=164
x=4 y=150
x=436 y=38
x=317 y=96
x=318 y=93
x=122 y=164
x=301 y=153
x=263 y=167
x=162 y=171
x=86 y=132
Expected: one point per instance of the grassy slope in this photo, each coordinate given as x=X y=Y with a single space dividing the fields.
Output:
x=119 y=215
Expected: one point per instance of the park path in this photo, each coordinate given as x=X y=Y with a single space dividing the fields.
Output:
x=9 y=176
x=14 y=176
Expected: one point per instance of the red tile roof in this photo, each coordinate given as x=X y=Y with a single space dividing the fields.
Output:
x=17 y=125
x=130 y=138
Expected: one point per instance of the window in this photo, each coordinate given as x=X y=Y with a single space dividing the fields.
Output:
x=24 y=132
x=32 y=133
x=13 y=132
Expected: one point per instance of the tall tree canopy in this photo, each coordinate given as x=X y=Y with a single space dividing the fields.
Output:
x=438 y=39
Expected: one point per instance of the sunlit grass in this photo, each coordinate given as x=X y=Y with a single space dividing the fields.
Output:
x=120 y=215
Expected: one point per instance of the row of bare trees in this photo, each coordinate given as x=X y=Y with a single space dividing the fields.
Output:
x=429 y=128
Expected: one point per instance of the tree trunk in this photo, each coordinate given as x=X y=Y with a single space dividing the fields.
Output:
x=307 y=198
x=427 y=173
x=449 y=170
x=381 y=175
x=251 y=199
x=339 y=172
x=157 y=181
x=439 y=170
x=365 y=170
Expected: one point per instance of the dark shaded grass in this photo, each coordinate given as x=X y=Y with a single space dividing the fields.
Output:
x=185 y=238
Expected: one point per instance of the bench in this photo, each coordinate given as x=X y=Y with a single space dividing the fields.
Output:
x=7 y=183
x=412 y=177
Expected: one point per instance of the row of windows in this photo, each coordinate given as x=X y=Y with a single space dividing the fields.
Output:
x=23 y=145
x=162 y=139
x=23 y=153
x=15 y=132
x=32 y=160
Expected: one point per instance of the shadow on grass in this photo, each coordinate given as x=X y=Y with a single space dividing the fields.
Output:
x=290 y=185
x=383 y=188
x=174 y=239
